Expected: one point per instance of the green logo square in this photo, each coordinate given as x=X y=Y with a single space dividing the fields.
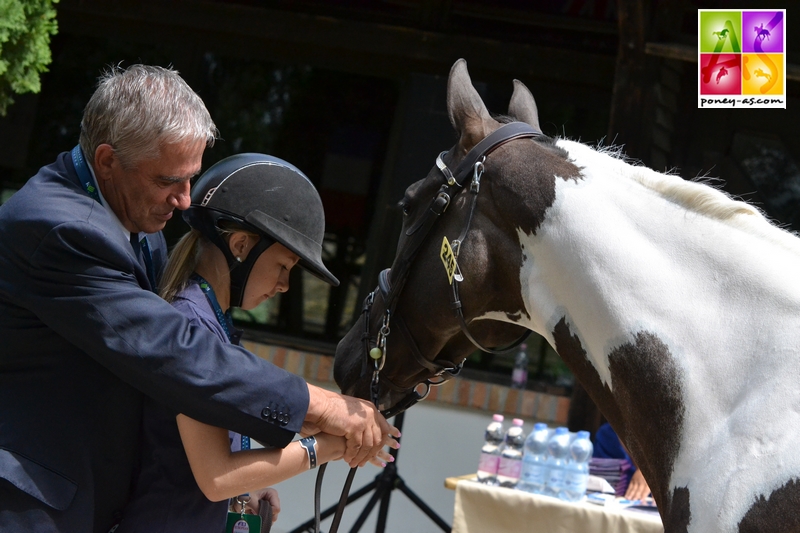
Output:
x=720 y=31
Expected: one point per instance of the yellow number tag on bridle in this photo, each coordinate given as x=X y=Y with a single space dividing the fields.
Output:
x=449 y=259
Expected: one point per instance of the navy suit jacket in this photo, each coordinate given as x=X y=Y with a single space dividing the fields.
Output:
x=82 y=340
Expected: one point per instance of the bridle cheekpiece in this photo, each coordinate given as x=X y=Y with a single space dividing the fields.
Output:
x=391 y=281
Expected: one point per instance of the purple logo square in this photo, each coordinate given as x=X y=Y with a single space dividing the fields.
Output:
x=762 y=31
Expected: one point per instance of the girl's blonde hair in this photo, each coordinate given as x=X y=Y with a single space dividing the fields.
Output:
x=183 y=259
x=185 y=255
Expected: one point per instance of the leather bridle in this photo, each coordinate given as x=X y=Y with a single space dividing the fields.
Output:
x=392 y=281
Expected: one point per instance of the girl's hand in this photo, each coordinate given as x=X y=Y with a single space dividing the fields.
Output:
x=270 y=495
x=384 y=456
x=332 y=448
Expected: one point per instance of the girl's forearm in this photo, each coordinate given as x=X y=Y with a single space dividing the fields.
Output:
x=222 y=474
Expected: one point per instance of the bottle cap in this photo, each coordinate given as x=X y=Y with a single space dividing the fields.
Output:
x=561 y=431
x=538 y=426
x=517 y=422
x=582 y=435
x=497 y=418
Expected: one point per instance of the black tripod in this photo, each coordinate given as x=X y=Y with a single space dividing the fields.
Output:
x=383 y=485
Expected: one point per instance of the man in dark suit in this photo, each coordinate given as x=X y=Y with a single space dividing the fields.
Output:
x=84 y=337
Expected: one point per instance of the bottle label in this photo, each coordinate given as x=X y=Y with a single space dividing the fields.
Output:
x=576 y=482
x=556 y=478
x=533 y=473
x=509 y=468
x=519 y=376
x=488 y=463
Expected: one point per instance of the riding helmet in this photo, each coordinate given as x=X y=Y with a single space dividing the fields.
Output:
x=266 y=195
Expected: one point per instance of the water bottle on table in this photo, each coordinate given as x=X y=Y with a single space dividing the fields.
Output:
x=519 y=376
x=557 y=450
x=534 y=458
x=490 y=452
x=577 y=469
x=511 y=456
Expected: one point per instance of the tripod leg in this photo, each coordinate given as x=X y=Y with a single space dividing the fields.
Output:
x=423 y=506
x=381 y=492
x=383 y=512
x=309 y=525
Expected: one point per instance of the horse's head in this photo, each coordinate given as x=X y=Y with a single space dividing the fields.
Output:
x=497 y=180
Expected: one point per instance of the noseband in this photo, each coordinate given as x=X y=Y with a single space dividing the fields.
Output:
x=392 y=281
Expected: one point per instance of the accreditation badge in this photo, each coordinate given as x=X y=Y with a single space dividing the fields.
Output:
x=243 y=523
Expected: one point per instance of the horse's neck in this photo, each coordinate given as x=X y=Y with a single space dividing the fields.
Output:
x=665 y=309
x=616 y=257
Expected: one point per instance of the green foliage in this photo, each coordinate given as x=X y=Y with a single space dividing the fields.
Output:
x=25 y=30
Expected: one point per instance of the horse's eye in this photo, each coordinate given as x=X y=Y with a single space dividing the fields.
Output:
x=406 y=209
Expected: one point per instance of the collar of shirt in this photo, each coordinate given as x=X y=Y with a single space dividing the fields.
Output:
x=124 y=231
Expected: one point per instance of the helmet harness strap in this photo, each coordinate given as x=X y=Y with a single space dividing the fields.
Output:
x=240 y=272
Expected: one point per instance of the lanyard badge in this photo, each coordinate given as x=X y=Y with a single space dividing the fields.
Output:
x=241 y=522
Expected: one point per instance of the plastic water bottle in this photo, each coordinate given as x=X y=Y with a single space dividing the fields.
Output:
x=490 y=452
x=519 y=376
x=577 y=469
x=557 y=450
x=534 y=468
x=511 y=455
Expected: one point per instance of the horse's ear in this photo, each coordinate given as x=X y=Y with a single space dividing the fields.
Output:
x=523 y=106
x=468 y=113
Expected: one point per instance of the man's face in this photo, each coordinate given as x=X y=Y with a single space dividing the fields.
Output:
x=145 y=195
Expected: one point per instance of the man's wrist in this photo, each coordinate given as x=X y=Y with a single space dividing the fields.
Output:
x=317 y=403
x=309 y=444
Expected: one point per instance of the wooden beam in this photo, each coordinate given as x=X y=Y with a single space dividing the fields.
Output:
x=688 y=53
x=346 y=45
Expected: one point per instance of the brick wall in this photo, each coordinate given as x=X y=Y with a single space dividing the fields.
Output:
x=458 y=391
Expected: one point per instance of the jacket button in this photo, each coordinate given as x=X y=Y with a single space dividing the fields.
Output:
x=265 y=412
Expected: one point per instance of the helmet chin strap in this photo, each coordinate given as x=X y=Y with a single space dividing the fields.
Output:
x=240 y=271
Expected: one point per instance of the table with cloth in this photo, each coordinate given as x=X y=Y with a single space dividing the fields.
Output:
x=480 y=508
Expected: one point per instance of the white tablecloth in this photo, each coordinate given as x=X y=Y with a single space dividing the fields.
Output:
x=482 y=509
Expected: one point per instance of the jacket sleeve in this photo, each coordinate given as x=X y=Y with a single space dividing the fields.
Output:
x=84 y=286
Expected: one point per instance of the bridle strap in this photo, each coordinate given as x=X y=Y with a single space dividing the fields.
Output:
x=418 y=233
x=456 y=306
x=490 y=143
x=392 y=281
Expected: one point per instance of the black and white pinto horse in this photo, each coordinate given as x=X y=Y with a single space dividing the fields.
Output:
x=676 y=307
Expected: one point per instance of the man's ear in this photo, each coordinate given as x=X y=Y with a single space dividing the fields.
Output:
x=104 y=161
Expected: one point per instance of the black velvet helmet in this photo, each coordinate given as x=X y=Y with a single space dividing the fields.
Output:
x=268 y=196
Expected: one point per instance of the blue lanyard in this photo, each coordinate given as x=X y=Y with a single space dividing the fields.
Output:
x=224 y=319
x=82 y=168
x=89 y=185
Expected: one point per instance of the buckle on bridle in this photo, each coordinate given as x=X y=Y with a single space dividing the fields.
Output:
x=475 y=186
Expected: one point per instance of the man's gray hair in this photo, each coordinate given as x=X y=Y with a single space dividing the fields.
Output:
x=139 y=109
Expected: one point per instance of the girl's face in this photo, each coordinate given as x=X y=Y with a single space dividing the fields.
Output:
x=270 y=275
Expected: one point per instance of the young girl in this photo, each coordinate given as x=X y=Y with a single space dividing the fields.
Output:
x=253 y=218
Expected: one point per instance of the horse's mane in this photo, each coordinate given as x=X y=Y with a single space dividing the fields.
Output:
x=696 y=196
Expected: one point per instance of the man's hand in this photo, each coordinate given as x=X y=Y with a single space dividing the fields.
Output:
x=358 y=421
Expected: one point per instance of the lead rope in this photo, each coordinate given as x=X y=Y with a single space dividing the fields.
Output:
x=337 y=515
